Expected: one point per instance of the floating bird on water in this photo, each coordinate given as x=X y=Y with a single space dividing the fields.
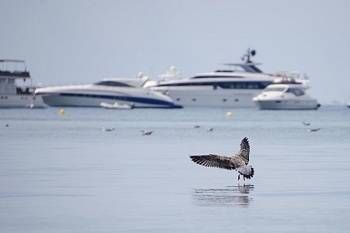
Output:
x=306 y=123
x=146 y=133
x=210 y=129
x=196 y=126
x=314 y=130
x=237 y=162
x=108 y=129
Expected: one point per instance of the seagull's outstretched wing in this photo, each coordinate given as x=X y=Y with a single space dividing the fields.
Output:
x=245 y=148
x=215 y=161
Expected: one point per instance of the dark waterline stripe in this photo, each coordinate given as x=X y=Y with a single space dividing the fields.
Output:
x=125 y=98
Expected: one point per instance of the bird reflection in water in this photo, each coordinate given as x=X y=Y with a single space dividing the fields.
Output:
x=228 y=196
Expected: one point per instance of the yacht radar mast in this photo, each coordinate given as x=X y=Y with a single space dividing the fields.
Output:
x=248 y=65
x=250 y=53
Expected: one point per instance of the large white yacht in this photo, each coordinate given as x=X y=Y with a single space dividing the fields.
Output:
x=16 y=89
x=222 y=88
x=108 y=91
x=286 y=94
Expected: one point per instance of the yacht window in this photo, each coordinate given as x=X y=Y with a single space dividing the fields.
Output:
x=296 y=91
x=241 y=85
x=112 y=84
x=252 y=85
x=225 y=85
x=216 y=76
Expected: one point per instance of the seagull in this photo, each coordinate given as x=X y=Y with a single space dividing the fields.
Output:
x=306 y=123
x=146 y=133
x=314 y=130
x=108 y=129
x=237 y=162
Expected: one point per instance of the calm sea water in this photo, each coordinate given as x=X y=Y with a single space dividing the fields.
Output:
x=63 y=173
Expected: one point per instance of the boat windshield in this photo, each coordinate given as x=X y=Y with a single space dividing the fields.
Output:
x=13 y=68
x=112 y=84
x=276 y=89
x=296 y=91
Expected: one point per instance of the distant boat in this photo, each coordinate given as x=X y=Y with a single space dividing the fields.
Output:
x=116 y=105
x=286 y=95
x=109 y=91
x=233 y=87
x=12 y=94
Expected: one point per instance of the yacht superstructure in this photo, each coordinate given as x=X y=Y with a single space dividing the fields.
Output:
x=13 y=95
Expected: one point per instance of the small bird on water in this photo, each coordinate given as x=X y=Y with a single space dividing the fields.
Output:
x=314 y=129
x=237 y=162
x=146 y=133
x=306 y=123
x=108 y=129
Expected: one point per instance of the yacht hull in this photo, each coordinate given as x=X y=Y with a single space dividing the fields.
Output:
x=89 y=100
x=288 y=105
x=207 y=97
x=21 y=101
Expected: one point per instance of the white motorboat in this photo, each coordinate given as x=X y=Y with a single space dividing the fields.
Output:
x=222 y=88
x=107 y=91
x=116 y=105
x=286 y=95
x=16 y=89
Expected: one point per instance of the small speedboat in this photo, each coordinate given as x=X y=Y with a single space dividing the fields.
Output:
x=116 y=105
x=286 y=96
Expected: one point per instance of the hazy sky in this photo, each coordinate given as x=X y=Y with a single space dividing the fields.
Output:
x=83 y=41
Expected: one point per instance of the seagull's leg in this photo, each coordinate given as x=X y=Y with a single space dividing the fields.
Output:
x=239 y=177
